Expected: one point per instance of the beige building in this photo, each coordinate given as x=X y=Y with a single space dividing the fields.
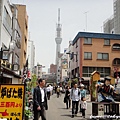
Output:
x=23 y=21
x=95 y=51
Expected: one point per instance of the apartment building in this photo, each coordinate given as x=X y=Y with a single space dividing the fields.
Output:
x=95 y=51
x=10 y=36
x=38 y=70
x=112 y=24
x=53 y=68
x=23 y=21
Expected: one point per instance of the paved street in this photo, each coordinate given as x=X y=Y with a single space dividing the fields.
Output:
x=57 y=110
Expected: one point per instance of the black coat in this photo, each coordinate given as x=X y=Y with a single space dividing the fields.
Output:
x=37 y=100
x=67 y=94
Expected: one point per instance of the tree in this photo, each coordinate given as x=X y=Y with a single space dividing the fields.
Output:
x=34 y=80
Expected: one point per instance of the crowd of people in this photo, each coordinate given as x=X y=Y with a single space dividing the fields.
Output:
x=74 y=97
x=77 y=97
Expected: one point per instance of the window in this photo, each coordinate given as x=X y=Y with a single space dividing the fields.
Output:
x=102 y=56
x=106 y=42
x=77 y=44
x=104 y=71
x=116 y=47
x=76 y=56
x=116 y=61
x=16 y=59
x=87 y=41
x=7 y=21
x=87 y=55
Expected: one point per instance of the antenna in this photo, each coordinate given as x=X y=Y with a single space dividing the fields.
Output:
x=58 y=15
x=86 y=18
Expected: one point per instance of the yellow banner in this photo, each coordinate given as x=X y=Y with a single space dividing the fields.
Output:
x=12 y=101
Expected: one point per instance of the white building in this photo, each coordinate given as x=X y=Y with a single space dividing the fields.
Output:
x=31 y=56
x=5 y=24
x=109 y=25
x=38 y=70
x=116 y=5
x=10 y=36
x=112 y=25
x=64 y=65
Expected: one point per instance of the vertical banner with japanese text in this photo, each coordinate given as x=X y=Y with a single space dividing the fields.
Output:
x=12 y=101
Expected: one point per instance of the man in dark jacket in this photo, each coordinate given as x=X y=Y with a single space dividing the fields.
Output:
x=40 y=101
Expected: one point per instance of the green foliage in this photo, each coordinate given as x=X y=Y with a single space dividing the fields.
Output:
x=33 y=81
x=74 y=81
x=27 y=113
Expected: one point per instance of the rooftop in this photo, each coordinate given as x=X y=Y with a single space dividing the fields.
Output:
x=96 y=35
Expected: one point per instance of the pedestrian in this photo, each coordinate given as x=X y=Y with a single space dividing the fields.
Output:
x=83 y=93
x=67 y=97
x=40 y=100
x=48 y=92
x=58 y=91
x=75 y=97
x=83 y=106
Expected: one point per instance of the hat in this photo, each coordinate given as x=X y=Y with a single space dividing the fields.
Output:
x=107 y=78
x=81 y=85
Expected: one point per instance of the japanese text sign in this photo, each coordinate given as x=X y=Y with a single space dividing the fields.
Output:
x=11 y=101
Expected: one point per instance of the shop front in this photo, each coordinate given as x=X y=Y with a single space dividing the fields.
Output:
x=7 y=75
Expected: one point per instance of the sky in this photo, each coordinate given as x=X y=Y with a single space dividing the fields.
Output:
x=75 y=16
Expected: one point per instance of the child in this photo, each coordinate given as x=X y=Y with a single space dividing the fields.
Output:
x=83 y=106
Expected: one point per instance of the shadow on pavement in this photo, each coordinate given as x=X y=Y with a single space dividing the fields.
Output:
x=62 y=108
x=68 y=115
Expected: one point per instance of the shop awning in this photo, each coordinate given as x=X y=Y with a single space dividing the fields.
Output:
x=9 y=73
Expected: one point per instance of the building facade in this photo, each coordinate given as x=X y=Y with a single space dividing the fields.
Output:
x=108 y=25
x=10 y=43
x=112 y=25
x=95 y=51
x=116 y=5
x=38 y=70
x=5 y=24
x=53 y=68
x=31 y=56
x=64 y=66
x=23 y=21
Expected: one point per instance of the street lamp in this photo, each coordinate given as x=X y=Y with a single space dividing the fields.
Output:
x=4 y=54
x=72 y=55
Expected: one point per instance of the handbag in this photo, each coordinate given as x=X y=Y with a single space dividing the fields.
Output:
x=65 y=99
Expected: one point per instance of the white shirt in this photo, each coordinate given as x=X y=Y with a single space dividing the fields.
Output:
x=42 y=94
x=48 y=89
x=83 y=104
x=74 y=94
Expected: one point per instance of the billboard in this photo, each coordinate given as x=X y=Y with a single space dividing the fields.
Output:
x=64 y=64
x=12 y=101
